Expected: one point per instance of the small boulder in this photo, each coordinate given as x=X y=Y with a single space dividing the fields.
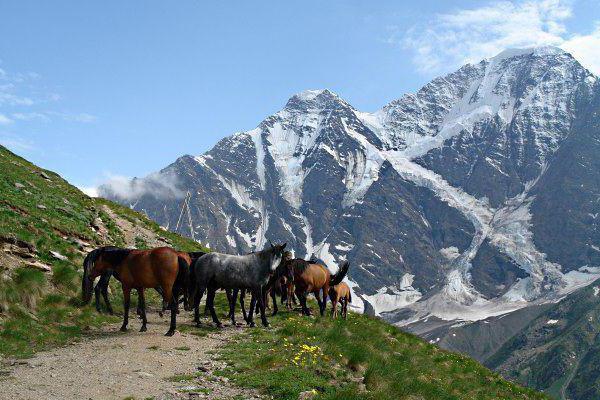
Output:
x=41 y=207
x=45 y=176
x=309 y=394
x=19 y=185
x=58 y=256
x=40 y=266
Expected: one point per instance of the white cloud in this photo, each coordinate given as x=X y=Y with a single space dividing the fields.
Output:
x=162 y=186
x=4 y=120
x=586 y=49
x=469 y=35
x=27 y=116
x=16 y=143
x=91 y=191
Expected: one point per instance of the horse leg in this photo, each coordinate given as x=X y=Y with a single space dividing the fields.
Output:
x=274 y=299
x=174 y=303
x=228 y=294
x=242 y=303
x=197 y=299
x=290 y=296
x=325 y=295
x=142 y=307
x=210 y=303
x=126 y=299
x=319 y=302
x=97 y=297
x=333 y=307
x=345 y=308
x=302 y=299
x=261 y=304
x=232 y=300
x=106 y=299
x=250 y=320
x=102 y=289
x=161 y=311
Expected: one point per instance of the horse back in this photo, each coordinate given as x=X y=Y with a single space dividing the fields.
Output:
x=315 y=276
x=151 y=268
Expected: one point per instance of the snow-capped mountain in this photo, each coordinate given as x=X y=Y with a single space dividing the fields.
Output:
x=475 y=196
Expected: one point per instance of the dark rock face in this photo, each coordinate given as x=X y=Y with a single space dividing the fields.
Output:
x=493 y=273
x=566 y=206
x=481 y=186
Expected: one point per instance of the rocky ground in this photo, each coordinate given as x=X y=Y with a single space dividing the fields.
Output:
x=109 y=364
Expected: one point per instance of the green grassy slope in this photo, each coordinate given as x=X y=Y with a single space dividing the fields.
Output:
x=558 y=351
x=362 y=357
x=39 y=213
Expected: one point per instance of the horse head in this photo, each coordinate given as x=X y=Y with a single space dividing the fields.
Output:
x=95 y=263
x=277 y=252
x=87 y=282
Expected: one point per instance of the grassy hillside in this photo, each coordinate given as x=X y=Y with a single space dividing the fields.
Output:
x=360 y=358
x=47 y=226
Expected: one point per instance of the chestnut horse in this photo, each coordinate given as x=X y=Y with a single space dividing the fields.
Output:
x=313 y=278
x=161 y=267
x=101 y=287
x=340 y=293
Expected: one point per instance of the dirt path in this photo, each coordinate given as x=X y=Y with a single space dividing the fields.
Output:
x=115 y=365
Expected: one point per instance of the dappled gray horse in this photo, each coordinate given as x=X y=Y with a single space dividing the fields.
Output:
x=224 y=271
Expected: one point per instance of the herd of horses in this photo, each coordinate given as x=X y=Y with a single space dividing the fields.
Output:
x=186 y=276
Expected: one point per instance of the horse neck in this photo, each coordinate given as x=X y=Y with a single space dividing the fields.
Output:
x=112 y=260
x=264 y=261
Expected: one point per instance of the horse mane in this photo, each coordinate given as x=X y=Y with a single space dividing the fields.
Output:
x=195 y=255
x=298 y=264
x=114 y=255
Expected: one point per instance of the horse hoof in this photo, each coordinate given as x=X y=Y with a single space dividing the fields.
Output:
x=170 y=333
x=123 y=329
x=266 y=325
x=220 y=326
x=143 y=329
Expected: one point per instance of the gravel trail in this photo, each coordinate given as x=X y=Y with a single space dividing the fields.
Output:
x=109 y=364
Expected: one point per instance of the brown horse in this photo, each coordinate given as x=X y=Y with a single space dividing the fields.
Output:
x=161 y=267
x=340 y=293
x=314 y=278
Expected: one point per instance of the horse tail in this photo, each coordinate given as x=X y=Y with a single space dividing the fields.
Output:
x=349 y=296
x=340 y=275
x=183 y=273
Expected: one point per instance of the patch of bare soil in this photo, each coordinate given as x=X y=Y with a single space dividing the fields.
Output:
x=113 y=365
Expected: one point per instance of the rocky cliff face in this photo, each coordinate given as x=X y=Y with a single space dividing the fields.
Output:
x=473 y=197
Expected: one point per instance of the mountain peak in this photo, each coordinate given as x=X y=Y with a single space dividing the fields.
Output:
x=315 y=99
x=536 y=50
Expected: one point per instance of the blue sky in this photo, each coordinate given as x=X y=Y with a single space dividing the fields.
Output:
x=97 y=89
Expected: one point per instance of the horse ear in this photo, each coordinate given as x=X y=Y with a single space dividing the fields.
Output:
x=283 y=246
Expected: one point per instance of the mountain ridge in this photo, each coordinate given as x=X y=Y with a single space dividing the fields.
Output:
x=477 y=140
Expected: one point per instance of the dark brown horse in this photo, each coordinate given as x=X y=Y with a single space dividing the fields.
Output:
x=340 y=293
x=314 y=278
x=161 y=268
x=101 y=288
